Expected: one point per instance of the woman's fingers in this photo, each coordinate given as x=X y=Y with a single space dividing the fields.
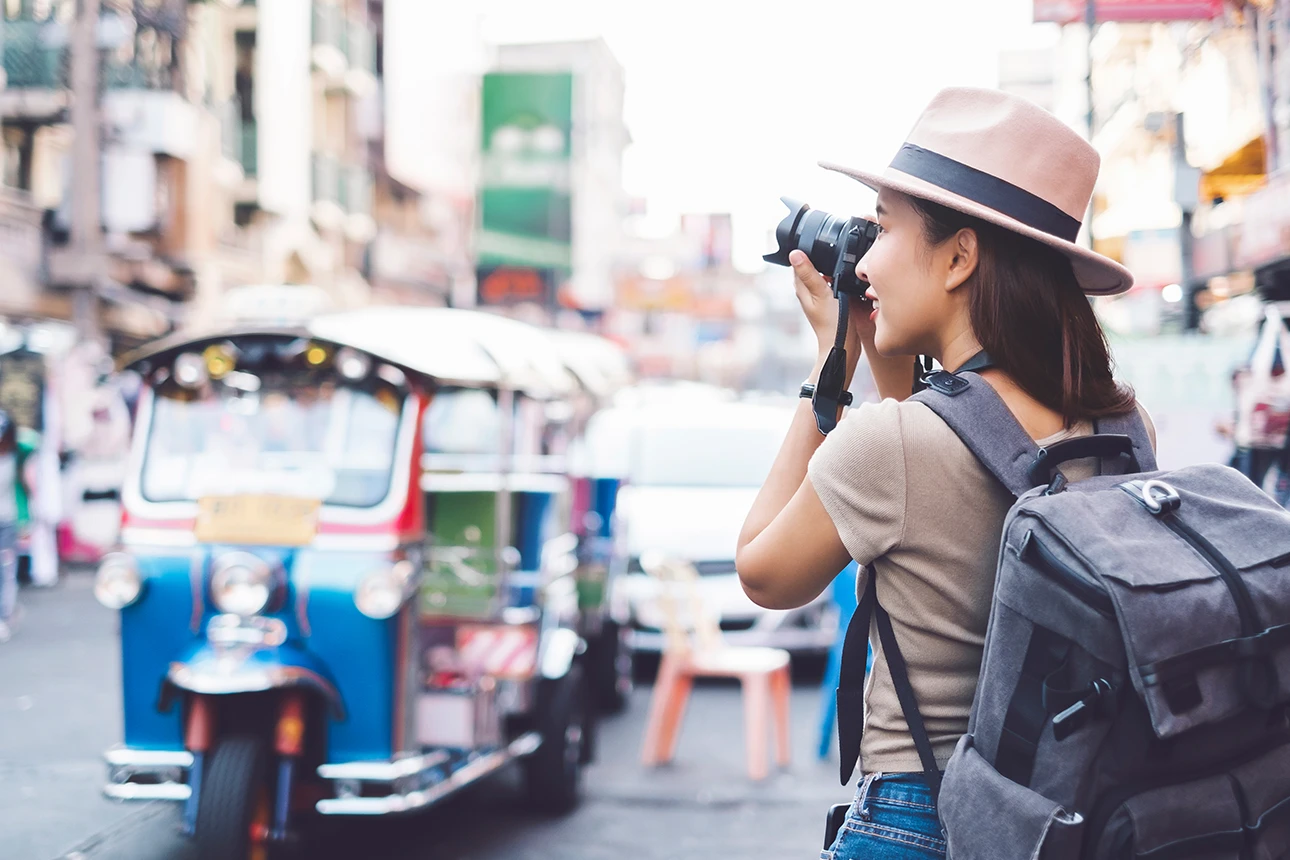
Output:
x=816 y=284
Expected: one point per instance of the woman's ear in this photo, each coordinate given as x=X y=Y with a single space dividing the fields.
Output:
x=964 y=260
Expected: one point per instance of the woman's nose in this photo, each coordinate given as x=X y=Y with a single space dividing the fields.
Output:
x=860 y=270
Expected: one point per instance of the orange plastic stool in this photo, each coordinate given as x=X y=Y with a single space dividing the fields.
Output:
x=694 y=648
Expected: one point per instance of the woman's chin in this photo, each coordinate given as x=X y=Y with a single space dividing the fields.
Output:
x=887 y=345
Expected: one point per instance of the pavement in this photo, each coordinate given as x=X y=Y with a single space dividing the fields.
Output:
x=60 y=708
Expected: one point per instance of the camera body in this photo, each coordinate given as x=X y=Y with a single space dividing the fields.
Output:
x=833 y=244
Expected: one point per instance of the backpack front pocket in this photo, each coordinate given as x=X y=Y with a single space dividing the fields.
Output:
x=1238 y=813
x=973 y=794
x=1196 y=819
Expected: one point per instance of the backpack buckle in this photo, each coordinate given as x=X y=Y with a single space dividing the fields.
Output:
x=946 y=383
x=1159 y=497
x=1092 y=704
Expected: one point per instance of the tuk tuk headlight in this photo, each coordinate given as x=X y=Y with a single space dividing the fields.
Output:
x=380 y=594
x=241 y=584
x=117 y=583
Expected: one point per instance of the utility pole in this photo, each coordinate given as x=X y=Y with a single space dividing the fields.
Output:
x=1090 y=20
x=1186 y=195
x=1281 y=93
x=86 y=227
x=1264 y=24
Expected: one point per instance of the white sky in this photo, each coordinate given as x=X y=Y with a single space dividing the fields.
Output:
x=730 y=104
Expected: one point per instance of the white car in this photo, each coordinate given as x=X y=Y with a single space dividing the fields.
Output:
x=692 y=469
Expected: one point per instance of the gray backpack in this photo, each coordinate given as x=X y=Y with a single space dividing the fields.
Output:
x=1134 y=690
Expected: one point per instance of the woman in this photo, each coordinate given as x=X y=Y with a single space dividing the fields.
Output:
x=977 y=218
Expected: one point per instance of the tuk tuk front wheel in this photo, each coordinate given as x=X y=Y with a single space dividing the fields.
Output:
x=235 y=810
x=553 y=774
x=609 y=663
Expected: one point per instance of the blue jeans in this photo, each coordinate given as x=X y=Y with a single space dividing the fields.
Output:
x=891 y=818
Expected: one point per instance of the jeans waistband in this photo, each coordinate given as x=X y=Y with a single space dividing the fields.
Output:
x=901 y=787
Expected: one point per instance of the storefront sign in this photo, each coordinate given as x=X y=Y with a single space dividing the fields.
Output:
x=525 y=187
x=1212 y=253
x=22 y=384
x=1073 y=11
x=1265 y=232
x=510 y=285
x=1260 y=238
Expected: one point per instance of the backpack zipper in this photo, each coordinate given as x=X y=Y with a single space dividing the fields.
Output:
x=1087 y=590
x=1225 y=569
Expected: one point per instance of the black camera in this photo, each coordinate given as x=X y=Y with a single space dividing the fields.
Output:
x=834 y=244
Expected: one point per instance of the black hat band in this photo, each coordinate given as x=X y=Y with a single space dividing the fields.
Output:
x=990 y=191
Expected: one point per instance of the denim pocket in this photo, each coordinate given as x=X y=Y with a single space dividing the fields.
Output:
x=987 y=816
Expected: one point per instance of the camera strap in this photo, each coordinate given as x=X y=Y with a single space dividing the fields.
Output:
x=833 y=375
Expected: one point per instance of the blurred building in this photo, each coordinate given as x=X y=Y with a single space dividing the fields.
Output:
x=1243 y=225
x=299 y=85
x=241 y=143
x=1179 y=90
x=148 y=161
x=684 y=310
x=551 y=198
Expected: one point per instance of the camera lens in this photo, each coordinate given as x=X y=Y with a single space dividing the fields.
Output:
x=826 y=239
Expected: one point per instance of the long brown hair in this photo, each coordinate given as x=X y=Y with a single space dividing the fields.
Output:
x=1028 y=312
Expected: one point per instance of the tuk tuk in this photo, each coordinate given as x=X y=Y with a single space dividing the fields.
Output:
x=602 y=369
x=346 y=581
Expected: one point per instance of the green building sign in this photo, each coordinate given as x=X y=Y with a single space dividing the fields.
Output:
x=525 y=189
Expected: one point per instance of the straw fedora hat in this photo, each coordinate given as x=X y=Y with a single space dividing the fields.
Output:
x=1007 y=161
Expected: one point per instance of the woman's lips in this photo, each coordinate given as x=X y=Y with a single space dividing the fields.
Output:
x=869 y=294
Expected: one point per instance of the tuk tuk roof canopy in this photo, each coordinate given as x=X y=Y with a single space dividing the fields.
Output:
x=450 y=345
x=600 y=365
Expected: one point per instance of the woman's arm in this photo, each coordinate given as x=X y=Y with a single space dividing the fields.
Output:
x=789 y=549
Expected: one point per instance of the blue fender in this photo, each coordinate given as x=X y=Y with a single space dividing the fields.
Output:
x=211 y=670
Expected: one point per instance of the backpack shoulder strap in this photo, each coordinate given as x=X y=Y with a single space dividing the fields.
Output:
x=851 y=684
x=981 y=419
x=1131 y=424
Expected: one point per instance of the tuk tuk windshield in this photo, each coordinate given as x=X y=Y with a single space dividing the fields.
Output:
x=325 y=441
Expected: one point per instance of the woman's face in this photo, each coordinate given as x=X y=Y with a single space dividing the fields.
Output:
x=908 y=279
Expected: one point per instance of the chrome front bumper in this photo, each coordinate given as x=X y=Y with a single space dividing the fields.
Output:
x=413 y=783
x=147 y=774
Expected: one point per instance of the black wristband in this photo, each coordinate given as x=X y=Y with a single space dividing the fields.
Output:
x=808 y=391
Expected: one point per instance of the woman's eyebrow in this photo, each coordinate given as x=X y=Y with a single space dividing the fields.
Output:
x=879 y=210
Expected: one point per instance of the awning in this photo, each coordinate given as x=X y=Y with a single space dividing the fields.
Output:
x=1241 y=173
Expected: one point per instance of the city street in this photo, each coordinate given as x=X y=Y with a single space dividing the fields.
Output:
x=375 y=374
x=59 y=708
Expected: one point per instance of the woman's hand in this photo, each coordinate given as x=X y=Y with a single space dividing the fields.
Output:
x=815 y=295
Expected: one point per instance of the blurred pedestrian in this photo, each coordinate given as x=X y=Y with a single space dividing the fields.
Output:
x=9 y=489
x=975 y=264
x=1262 y=392
x=43 y=473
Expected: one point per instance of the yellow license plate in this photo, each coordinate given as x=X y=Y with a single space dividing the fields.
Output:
x=264 y=520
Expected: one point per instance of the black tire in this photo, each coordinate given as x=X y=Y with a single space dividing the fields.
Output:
x=234 y=793
x=610 y=667
x=590 y=724
x=553 y=774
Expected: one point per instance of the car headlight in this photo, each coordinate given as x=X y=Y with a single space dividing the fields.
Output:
x=381 y=593
x=117 y=583
x=241 y=583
